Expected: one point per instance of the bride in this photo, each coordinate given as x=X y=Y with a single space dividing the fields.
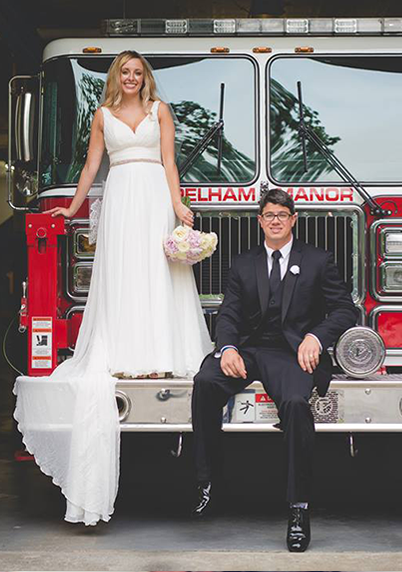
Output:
x=142 y=317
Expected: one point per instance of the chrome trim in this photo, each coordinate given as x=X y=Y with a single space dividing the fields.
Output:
x=383 y=268
x=74 y=221
x=382 y=235
x=127 y=405
x=211 y=301
x=75 y=252
x=24 y=126
x=70 y=237
x=10 y=164
x=389 y=223
x=76 y=267
x=392 y=354
x=373 y=322
x=359 y=243
x=339 y=381
x=363 y=313
x=266 y=427
x=71 y=310
x=68 y=314
x=40 y=128
x=377 y=338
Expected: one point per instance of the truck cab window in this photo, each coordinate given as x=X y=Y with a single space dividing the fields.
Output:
x=352 y=102
x=73 y=87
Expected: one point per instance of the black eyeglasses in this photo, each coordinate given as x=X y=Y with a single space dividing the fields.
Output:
x=282 y=216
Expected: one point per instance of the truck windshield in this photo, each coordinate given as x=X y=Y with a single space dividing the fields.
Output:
x=354 y=105
x=73 y=87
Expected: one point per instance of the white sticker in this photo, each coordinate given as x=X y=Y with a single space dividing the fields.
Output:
x=245 y=407
x=41 y=343
x=265 y=409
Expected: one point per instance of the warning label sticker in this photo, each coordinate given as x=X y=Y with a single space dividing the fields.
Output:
x=265 y=409
x=244 y=409
x=41 y=343
x=252 y=406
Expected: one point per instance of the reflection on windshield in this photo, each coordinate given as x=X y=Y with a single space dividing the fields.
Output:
x=286 y=151
x=89 y=90
x=73 y=88
x=194 y=122
x=353 y=104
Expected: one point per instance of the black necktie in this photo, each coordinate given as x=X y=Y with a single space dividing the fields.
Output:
x=275 y=277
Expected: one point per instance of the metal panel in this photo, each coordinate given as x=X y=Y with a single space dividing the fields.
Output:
x=366 y=405
x=378 y=249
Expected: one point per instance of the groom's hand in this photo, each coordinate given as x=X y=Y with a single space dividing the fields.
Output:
x=308 y=354
x=232 y=364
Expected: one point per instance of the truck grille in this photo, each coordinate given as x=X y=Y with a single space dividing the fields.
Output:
x=340 y=231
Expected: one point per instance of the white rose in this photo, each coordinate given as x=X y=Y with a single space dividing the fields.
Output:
x=180 y=233
x=183 y=246
x=204 y=241
x=214 y=239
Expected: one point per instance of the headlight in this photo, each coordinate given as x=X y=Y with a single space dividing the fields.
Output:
x=81 y=246
x=391 y=276
x=360 y=352
x=391 y=242
x=81 y=277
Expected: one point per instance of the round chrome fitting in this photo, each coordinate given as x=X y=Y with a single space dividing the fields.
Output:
x=123 y=405
x=360 y=352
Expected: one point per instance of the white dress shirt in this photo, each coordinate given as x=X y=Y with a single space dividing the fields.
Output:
x=284 y=259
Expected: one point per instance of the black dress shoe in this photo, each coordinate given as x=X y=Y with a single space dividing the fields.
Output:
x=298 y=537
x=203 y=506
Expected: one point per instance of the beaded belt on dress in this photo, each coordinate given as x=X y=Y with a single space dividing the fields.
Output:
x=124 y=161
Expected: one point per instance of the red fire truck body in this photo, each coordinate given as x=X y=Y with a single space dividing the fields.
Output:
x=350 y=71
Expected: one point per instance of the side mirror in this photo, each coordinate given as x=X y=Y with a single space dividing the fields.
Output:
x=23 y=139
x=25 y=111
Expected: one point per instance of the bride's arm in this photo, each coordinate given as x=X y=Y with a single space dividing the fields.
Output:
x=88 y=173
x=172 y=174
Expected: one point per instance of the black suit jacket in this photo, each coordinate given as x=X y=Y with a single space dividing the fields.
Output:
x=315 y=300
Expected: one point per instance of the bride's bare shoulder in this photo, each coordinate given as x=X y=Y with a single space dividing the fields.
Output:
x=97 y=121
x=163 y=110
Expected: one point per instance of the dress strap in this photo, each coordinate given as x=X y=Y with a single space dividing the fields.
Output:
x=105 y=111
x=154 y=109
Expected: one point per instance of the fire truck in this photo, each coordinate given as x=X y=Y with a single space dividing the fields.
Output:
x=308 y=105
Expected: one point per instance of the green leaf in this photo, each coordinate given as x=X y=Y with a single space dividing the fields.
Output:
x=186 y=202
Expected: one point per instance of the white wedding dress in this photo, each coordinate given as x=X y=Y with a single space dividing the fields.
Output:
x=142 y=315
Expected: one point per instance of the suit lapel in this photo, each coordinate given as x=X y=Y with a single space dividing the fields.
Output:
x=262 y=278
x=290 y=279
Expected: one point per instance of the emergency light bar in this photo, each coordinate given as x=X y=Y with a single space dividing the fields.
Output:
x=253 y=27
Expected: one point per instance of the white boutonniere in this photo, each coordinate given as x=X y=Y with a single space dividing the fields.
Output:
x=295 y=269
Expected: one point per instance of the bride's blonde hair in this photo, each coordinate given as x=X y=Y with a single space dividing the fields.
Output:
x=114 y=92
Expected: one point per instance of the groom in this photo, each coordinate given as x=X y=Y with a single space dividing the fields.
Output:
x=284 y=305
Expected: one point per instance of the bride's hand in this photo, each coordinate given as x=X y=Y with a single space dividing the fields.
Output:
x=184 y=214
x=56 y=211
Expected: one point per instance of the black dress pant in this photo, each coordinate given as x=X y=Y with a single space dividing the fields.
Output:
x=289 y=387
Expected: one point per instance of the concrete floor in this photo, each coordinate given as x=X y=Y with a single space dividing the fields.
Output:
x=356 y=509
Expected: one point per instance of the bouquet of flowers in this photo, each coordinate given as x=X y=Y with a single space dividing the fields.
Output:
x=189 y=246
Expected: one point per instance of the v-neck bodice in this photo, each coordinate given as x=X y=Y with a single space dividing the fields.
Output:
x=123 y=144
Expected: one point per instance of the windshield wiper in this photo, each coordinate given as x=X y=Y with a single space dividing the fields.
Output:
x=306 y=132
x=217 y=128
